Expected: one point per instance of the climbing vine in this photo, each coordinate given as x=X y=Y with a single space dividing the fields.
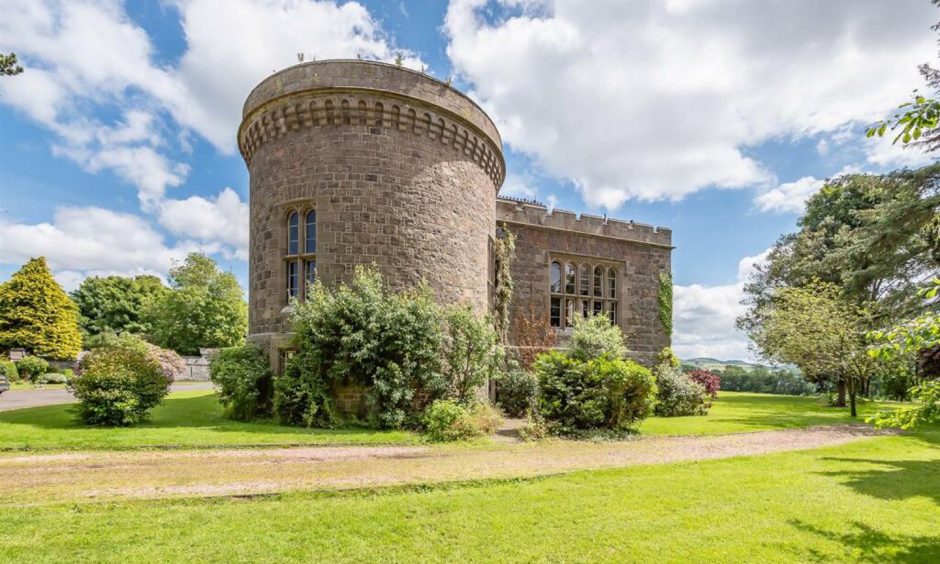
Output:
x=504 y=251
x=665 y=301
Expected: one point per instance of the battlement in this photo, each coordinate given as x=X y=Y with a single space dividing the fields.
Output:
x=537 y=215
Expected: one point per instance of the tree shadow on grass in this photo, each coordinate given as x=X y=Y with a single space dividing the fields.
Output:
x=892 y=479
x=871 y=545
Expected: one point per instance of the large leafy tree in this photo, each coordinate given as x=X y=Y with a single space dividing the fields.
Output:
x=205 y=307
x=116 y=304
x=36 y=314
x=821 y=332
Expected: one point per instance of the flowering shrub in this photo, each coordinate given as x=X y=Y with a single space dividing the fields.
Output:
x=709 y=380
x=678 y=394
x=447 y=420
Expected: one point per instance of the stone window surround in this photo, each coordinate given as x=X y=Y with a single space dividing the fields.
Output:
x=301 y=207
x=577 y=261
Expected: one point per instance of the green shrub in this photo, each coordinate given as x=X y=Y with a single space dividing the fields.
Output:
x=471 y=353
x=300 y=398
x=605 y=393
x=52 y=378
x=517 y=391
x=118 y=386
x=364 y=334
x=68 y=373
x=8 y=369
x=244 y=382
x=448 y=420
x=171 y=364
x=678 y=394
x=594 y=337
x=31 y=367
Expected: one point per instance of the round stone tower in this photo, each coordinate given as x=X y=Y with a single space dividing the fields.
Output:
x=398 y=169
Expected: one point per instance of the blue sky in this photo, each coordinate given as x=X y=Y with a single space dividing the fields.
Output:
x=715 y=118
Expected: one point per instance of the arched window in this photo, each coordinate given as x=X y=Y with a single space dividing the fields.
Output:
x=598 y=281
x=569 y=278
x=310 y=232
x=611 y=283
x=584 y=279
x=293 y=233
x=555 y=277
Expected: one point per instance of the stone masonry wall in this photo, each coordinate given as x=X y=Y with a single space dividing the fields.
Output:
x=640 y=252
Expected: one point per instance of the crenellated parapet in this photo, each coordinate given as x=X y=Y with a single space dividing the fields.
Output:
x=373 y=95
x=537 y=215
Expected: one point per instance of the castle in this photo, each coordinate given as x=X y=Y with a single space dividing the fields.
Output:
x=359 y=163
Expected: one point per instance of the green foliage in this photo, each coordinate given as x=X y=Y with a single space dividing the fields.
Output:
x=764 y=381
x=205 y=308
x=922 y=116
x=302 y=398
x=665 y=301
x=52 y=378
x=677 y=394
x=117 y=304
x=471 y=353
x=596 y=336
x=243 y=380
x=504 y=252
x=171 y=364
x=603 y=393
x=8 y=369
x=668 y=358
x=37 y=315
x=117 y=386
x=31 y=367
x=517 y=391
x=9 y=65
x=364 y=334
x=449 y=420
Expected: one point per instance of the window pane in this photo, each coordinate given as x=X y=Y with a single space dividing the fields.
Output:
x=598 y=307
x=598 y=280
x=293 y=228
x=292 y=279
x=569 y=313
x=310 y=272
x=555 y=277
x=569 y=278
x=310 y=232
x=611 y=283
x=612 y=312
x=585 y=308
x=584 y=279
x=556 y=311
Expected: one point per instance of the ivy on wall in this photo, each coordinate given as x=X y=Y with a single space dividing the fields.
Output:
x=665 y=301
x=504 y=251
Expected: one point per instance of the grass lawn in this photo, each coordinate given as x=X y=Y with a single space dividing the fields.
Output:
x=189 y=419
x=876 y=500
x=194 y=419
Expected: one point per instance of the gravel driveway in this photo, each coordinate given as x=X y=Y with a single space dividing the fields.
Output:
x=18 y=399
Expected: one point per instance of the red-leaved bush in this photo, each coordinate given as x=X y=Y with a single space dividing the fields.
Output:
x=711 y=381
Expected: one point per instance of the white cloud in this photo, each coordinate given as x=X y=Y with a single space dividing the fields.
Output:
x=705 y=315
x=222 y=219
x=790 y=197
x=655 y=100
x=92 y=239
x=882 y=152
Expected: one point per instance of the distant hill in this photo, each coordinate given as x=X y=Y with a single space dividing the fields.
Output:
x=715 y=364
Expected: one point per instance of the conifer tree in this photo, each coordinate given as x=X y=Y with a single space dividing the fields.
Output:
x=36 y=314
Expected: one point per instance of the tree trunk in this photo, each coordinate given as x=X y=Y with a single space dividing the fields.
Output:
x=852 y=395
x=840 y=400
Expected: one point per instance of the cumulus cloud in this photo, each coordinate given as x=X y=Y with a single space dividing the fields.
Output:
x=705 y=315
x=223 y=218
x=790 y=197
x=93 y=239
x=655 y=100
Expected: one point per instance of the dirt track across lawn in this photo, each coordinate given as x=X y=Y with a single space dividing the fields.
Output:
x=40 y=478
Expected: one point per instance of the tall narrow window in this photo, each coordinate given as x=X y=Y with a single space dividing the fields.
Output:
x=310 y=232
x=569 y=312
x=555 y=277
x=598 y=281
x=555 y=313
x=569 y=278
x=611 y=283
x=598 y=307
x=293 y=234
x=293 y=280
x=310 y=275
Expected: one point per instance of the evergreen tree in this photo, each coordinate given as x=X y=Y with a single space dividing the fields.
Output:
x=37 y=315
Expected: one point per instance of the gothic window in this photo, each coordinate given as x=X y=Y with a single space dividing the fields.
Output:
x=300 y=259
x=581 y=290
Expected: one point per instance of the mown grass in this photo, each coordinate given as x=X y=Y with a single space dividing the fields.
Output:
x=191 y=419
x=194 y=419
x=877 y=500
